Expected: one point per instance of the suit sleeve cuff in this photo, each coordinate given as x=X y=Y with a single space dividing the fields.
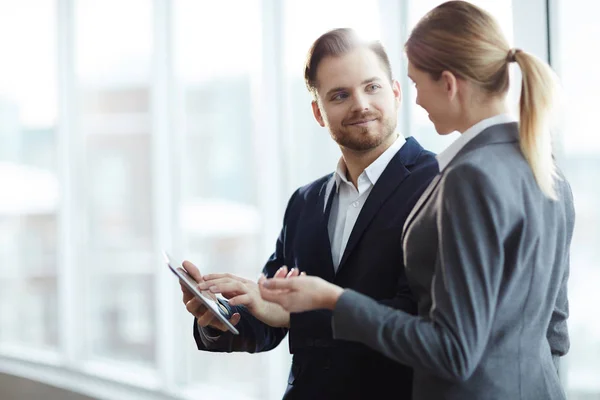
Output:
x=343 y=322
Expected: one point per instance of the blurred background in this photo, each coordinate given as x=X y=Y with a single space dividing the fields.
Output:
x=132 y=126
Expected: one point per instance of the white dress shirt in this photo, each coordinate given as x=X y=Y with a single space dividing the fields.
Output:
x=451 y=151
x=348 y=200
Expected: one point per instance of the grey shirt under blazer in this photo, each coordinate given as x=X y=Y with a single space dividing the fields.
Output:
x=487 y=256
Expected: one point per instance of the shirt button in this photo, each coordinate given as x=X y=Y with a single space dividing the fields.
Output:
x=355 y=204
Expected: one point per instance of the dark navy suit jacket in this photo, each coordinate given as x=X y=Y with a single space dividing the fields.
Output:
x=372 y=264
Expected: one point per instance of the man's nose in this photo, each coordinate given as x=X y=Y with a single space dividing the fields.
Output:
x=360 y=103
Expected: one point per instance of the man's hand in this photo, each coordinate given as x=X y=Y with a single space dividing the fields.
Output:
x=300 y=293
x=241 y=291
x=197 y=308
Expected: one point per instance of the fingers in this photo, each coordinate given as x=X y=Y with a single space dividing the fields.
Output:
x=187 y=295
x=229 y=289
x=261 y=278
x=209 y=294
x=235 y=318
x=208 y=319
x=192 y=270
x=241 y=300
x=281 y=287
x=195 y=307
x=281 y=272
x=275 y=296
x=212 y=277
x=226 y=286
x=218 y=282
x=293 y=272
x=204 y=318
x=280 y=284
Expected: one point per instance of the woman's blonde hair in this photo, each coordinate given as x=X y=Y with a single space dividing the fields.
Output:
x=464 y=39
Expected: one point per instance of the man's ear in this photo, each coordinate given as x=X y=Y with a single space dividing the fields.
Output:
x=317 y=113
x=397 y=92
x=450 y=83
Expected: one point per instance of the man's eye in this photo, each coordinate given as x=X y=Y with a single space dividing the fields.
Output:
x=373 y=87
x=340 y=96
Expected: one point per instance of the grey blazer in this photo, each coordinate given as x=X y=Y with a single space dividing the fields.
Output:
x=487 y=255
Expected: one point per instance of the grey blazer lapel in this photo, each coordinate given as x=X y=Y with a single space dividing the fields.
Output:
x=502 y=133
x=422 y=200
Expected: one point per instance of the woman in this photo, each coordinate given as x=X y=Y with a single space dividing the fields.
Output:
x=486 y=246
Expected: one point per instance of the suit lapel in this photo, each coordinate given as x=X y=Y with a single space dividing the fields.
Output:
x=391 y=178
x=326 y=197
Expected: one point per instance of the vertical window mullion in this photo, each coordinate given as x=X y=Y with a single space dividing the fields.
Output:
x=68 y=159
x=162 y=176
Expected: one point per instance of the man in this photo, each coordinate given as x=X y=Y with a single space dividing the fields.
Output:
x=344 y=227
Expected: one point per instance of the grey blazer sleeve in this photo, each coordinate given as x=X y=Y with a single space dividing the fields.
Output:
x=451 y=340
x=557 y=334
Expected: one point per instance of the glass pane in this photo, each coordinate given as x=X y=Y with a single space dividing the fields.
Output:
x=28 y=174
x=314 y=153
x=219 y=216
x=581 y=147
x=421 y=127
x=113 y=71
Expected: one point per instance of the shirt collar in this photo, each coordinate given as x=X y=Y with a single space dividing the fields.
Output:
x=375 y=169
x=445 y=157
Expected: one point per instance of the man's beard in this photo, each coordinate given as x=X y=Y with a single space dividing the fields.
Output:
x=363 y=138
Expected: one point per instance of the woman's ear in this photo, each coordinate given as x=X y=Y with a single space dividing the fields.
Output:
x=450 y=84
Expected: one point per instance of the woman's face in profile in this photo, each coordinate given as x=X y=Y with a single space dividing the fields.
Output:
x=433 y=97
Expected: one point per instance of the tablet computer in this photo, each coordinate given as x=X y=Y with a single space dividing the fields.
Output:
x=219 y=310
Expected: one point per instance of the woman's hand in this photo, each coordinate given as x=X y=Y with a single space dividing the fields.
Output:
x=300 y=293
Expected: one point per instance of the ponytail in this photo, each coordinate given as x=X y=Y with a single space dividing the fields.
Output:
x=535 y=105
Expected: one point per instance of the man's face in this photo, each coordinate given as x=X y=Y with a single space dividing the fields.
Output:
x=356 y=100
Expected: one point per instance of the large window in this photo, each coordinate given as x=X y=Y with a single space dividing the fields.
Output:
x=29 y=204
x=218 y=208
x=112 y=64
